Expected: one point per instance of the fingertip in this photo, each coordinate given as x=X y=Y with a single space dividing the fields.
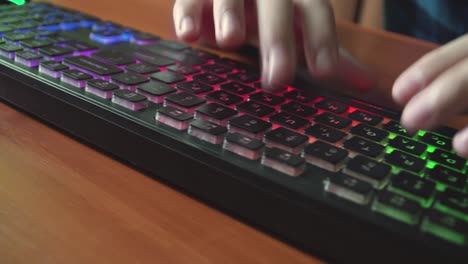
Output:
x=406 y=86
x=417 y=115
x=231 y=31
x=279 y=66
x=187 y=29
x=460 y=143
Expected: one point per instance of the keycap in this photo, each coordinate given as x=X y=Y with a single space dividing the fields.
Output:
x=176 y=55
x=28 y=58
x=363 y=146
x=325 y=133
x=216 y=113
x=266 y=98
x=142 y=68
x=141 y=38
x=447 y=176
x=113 y=57
x=5 y=29
x=101 y=88
x=224 y=98
x=395 y=127
x=77 y=46
x=325 y=156
x=349 y=188
x=405 y=161
x=365 y=117
x=204 y=55
x=243 y=145
x=232 y=64
x=299 y=96
x=413 y=187
x=8 y=50
x=35 y=43
x=448 y=159
x=52 y=68
x=436 y=140
x=175 y=45
x=75 y=78
x=285 y=139
x=216 y=68
x=289 y=120
x=243 y=77
x=55 y=52
x=397 y=207
x=174 y=117
x=168 y=77
x=237 y=88
x=298 y=109
x=369 y=132
x=185 y=101
x=107 y=36
x=148 y=57
x=18 y=36
x=408 y=145
x=250 y=126
x=448 y=132
x=92 y=65
x=332 y=106
x=130 y=100
x=194 y=87
x=128 y=81
x=155 y=91
x=208 y=78
x=183 y=69
x=333 y=120
x=207 y=131
x=256 y=109
x=282 y=161
x=368 y=170
x=445 y=226
x=453 y=202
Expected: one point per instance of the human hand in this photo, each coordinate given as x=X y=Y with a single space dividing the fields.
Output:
x=434 y=89
x=285 y=28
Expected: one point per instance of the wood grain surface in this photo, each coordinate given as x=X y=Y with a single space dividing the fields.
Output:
x=63 y=202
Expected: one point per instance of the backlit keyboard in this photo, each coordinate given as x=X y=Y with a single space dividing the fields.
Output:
x=329 y=174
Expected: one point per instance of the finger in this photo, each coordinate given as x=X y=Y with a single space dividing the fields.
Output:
x=277 y=44
x=229 y=22
x=426 y=69
x=187 y=16
x=320 y=44
x=443 y=98
x=460 y=143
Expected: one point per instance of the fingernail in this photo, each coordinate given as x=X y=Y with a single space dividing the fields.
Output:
x=186 y=26
x=417 y=116
x=404 y=87
x=324 y=61
x=277 y=61
x=229 y=24
x=460 y=143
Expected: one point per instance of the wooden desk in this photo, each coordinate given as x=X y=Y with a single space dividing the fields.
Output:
x=63 y=202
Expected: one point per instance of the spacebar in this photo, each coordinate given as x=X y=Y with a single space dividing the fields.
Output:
x=92 y=65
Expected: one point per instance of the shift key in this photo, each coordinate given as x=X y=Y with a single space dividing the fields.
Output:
x=92 y=65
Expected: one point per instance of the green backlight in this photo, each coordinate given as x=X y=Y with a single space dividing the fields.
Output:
x=431 y=149
x=18 y=2
x=431 y=164
x=450 y=211
x=389 y=150
x=392 y=136
x=421 y=133
x=424 y=203
x=394 y=213
x=443 y=232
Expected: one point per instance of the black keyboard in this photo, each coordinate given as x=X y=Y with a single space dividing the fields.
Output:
x=329 y=174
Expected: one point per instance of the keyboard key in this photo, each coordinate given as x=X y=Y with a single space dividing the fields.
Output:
x=289 y=120
x=183 y=69
x=285 y=139
x=174 y=117
x=128 y=81
x=250 y=126
x=216 y=113
x=397 y=207
x=453 y=202
x=142 y=68
x=332 y=106
x=155 y=91
x=446 y=227
x=92 y=65
x=413 y=187
x=447 y=176
x=255 y=109
x=436 y=140
x=282 y=161
x=35 y=43
x=299 y=96
x=8 y=50
x=113 y=57
x=266 y=98
x=148 y=57
x=80 y=47
x=405 y=161
x=18 y=36
x=349 y=188
x=325 y=133
x=408 y=145
x=168 y=77
x=299 y=109
x=448 y=132
x=28 y=58
x=185 y=101
x=366 y=118
x=208 y=78
x=204 y=55
x=368 y=170
x=325 y=156
x=56 y=53
x=52 y=68
x=332 y=120
x=232 y=64
x=141 y=38
x=244 y=77
x=369 y=132
x=236 y=88
x=130 y=100
x=395 y=127
x=216 y=68
x=448 y=159
x=75 y=78
x=101 y=88
x=194 y=87
x=363 y=146
x=175 y=45
x=224 y=98
x=207 y=131
x=179 y=56
x=243 y=145
x=107 y=36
